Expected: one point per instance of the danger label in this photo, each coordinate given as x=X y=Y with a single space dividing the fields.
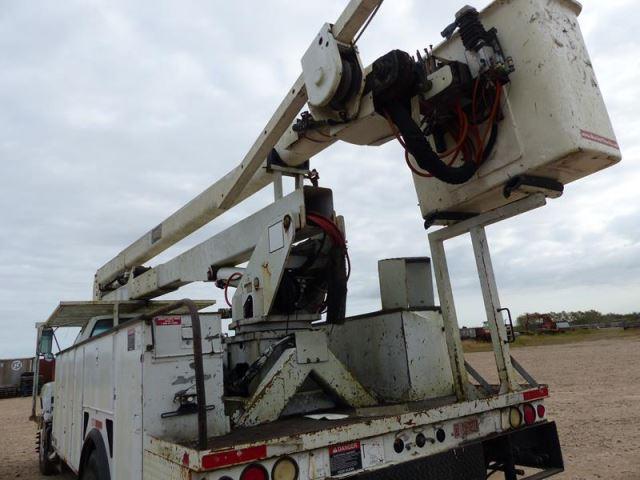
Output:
x=466 y=428
x=345 y=458
x=167 y=321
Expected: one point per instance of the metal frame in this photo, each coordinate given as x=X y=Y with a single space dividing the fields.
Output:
x=476 y=228
x=285 y=378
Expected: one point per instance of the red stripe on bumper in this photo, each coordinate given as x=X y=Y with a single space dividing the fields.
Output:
x=541 y=392
x=212 y=461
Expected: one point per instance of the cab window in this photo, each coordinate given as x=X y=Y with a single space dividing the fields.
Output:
x=102 y=326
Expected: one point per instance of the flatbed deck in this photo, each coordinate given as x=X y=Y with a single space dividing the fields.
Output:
x=293 y=429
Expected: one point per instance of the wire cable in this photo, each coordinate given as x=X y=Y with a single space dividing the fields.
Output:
x=364 y=27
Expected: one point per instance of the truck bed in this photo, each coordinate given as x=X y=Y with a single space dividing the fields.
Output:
x=287 y=430
x=289 y=436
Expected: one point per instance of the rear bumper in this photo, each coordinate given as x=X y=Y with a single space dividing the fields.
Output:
x=536 y=447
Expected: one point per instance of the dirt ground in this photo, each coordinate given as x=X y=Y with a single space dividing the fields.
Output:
x=595 y=398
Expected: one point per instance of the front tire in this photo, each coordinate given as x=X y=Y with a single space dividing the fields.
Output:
x=47 y=466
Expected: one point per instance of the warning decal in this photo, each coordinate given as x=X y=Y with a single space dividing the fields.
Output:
x=131 y=339
x=465 y=428
x=166 y=321
x=345 y=458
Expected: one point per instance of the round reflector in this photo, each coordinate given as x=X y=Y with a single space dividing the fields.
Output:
x=398 y=445
x=254 y=472
x=515 y=417
x=541 y=411
x=285 y=469
x=529 y=414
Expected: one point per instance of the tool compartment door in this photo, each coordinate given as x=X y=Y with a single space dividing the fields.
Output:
x=169 y=371
x=173 y=335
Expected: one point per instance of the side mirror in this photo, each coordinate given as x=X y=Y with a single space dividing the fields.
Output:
x=45 y=346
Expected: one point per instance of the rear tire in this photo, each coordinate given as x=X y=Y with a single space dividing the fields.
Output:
x=90 y=471
x=47 y=467
x=96 y=467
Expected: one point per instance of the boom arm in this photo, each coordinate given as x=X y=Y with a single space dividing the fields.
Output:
x=239 y=184
x=455 y=110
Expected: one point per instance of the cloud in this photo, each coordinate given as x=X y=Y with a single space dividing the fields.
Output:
x=114 y=114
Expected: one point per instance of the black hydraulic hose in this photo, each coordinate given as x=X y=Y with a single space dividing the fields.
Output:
x=418 y=145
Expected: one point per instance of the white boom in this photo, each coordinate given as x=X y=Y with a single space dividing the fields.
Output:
x=244 y=180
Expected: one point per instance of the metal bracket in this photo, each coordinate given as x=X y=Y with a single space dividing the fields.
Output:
x=285 y=378
x=475 y=226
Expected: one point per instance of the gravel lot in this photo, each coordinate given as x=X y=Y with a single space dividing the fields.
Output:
x=595 y=388
x=595 y=399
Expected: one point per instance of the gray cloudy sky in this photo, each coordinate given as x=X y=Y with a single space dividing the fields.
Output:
x=115 y=113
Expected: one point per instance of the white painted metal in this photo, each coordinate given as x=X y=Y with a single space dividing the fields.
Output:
x=241 y=182
x=401 y=356
x=310 y=450
x=462 y=387
x=47 y=398
x=405 y=283
x=323 y=72
x=489 y=218
x=77 y=314
x=495 y=321
x=130 y=377
x=322 y=67
x=556 y=123
x=475 y=226
x=288 y=374
x=266 y=267
x=231 y=247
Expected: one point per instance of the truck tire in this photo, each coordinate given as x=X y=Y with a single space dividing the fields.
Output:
x=94 y=460
x=91 y=468
x=47 y=467
x=95 y=469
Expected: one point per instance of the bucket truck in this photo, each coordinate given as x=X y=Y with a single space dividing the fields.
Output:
x=493 y=122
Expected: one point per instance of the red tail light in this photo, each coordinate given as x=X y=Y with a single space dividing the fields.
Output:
x=541 y=411
x=529 y=414
x=254 y=472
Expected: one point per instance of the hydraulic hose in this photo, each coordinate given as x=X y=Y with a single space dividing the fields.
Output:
x=418 y=145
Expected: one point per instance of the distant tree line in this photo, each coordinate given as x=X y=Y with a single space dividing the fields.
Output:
x=581 y=318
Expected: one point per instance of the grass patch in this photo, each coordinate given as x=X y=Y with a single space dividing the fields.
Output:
x=558 y=339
